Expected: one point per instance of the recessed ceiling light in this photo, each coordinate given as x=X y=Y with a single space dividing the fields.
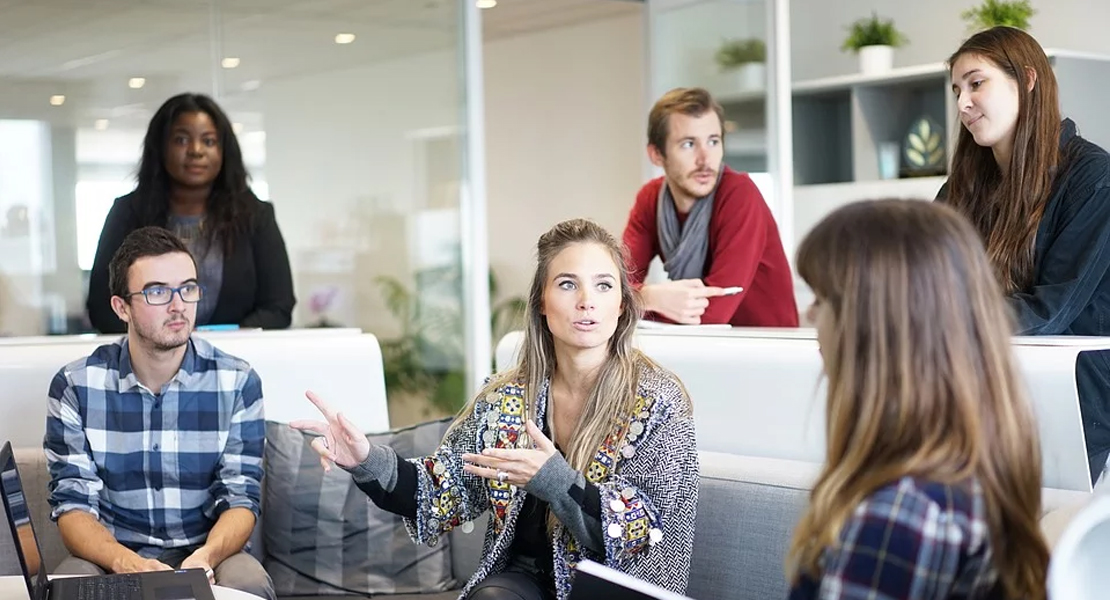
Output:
x=101 y=124
x=251 y=85
x=57 y=100
x=136 y=82
x=237 y=128
x=486 y=3
x=344 y=38
x=230 y=62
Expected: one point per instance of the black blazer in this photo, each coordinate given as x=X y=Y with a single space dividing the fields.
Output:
x=1070 y=294
x=257 y=288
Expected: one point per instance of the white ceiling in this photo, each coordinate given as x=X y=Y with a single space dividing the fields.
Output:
x=88 y=49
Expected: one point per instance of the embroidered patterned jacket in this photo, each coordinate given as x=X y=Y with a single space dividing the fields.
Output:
x=646 y=474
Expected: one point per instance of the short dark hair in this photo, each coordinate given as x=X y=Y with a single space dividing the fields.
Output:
x=692 y=102
x=141 y=243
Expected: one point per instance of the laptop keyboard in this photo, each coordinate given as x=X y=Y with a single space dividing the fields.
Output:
x=110 y=588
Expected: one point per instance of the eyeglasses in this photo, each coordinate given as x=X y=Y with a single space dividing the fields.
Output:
x=159 y=295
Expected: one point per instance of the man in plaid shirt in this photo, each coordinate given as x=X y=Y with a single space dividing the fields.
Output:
x=155 y=442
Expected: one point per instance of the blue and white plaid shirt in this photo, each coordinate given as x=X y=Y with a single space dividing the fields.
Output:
x=911 y=539
x=156 y=469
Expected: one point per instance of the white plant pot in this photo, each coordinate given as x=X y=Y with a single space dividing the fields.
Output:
x=875 y=60
x=752 y=76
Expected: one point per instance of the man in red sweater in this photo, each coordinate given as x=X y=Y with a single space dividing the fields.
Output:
x=708 y=223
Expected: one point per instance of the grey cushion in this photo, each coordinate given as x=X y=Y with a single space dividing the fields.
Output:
x=324 y=537
x=743 y=532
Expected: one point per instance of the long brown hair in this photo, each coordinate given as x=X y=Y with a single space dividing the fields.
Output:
x=614 y=395
x=1007 y=208
x=921 y=380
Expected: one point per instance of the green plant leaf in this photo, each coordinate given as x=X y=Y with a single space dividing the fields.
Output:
x=873 y=31
x=915 y=141
x=995 y=13
x=915 y=157
x=736 y=53
x=932 y=143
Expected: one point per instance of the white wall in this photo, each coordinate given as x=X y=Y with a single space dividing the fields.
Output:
x=341 y=166
x=565 y=135
x=934 y=29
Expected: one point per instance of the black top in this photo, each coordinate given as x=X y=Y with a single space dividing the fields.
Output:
x=531 y=548
x=1070 y=294
x=257 y=286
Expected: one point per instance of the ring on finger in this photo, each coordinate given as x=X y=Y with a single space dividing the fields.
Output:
x=502 y=476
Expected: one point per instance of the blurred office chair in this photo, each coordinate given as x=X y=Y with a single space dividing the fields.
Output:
x=1078 y=569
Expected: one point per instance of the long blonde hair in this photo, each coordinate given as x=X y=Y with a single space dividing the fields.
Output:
x=614 y=395
x=921 y=380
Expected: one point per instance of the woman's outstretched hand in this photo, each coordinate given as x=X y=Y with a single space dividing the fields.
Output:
x=338 y=440
x=515 y=466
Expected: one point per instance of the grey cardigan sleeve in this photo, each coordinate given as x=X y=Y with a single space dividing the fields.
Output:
x=575 y=502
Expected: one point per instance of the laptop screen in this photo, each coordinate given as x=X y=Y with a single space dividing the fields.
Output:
x=19 y=519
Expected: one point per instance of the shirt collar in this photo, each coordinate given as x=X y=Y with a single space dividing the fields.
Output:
x=129 y=381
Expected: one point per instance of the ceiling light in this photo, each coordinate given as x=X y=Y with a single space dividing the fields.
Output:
x=251 y=85
x=344 y=38
x=57 y=100
x=237 y=128
x=230 y=62
x=100 y=124
x=486 y=3
x=136 y=82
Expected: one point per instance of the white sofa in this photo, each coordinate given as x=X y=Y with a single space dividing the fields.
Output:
x=344 y=366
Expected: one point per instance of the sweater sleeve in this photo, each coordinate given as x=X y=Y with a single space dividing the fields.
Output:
x=740 y=229
x=119 y=222
x=1073 y=265
x=640 y=241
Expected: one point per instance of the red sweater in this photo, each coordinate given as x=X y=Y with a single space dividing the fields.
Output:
x=744 y=250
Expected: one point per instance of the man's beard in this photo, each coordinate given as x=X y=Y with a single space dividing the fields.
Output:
x=162 y=340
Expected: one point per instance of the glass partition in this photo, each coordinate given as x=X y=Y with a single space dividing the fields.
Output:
x=352 y=118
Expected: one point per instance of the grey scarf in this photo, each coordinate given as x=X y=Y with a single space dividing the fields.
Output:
x=684 y=247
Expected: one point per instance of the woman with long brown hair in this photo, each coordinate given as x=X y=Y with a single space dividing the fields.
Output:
x=1039 y=195
x=584 y=450
x=932 y=483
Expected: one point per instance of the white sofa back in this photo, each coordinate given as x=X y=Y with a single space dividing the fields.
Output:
x=760 y=392
x=343 y=366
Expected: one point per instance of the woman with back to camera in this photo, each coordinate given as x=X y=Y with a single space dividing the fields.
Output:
x=584 y=450
x=931 y=487
x=1039 y=195
x=192 y=181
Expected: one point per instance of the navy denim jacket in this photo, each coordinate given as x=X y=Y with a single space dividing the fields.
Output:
x=1070 y=294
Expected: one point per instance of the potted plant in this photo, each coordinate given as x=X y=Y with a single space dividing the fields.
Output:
x=747 y=57
x=993 y=13
x=874 y=39
x=425 y=365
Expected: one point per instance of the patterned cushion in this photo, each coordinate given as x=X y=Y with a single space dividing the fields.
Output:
x=323 y=536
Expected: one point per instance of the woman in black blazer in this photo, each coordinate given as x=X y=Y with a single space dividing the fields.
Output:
x=192 y=181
